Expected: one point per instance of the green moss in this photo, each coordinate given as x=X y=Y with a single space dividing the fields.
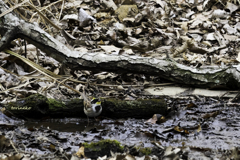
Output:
x=134 y=104
x=145 y=151
x=116 y=102
x=97 y=146
x=54 y=104
x=29 y=101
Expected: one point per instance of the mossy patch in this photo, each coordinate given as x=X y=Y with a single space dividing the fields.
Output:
x=146 y=151
x=102 y=148
x=103 y=144
x=54 y=104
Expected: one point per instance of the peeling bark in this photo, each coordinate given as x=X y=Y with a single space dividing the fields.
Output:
x=12 y=27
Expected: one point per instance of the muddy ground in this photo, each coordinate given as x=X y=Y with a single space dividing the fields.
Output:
x=196 y=127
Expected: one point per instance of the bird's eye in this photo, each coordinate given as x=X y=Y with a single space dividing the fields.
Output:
x=95 y=100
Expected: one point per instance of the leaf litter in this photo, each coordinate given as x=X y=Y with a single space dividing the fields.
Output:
x=194 y=33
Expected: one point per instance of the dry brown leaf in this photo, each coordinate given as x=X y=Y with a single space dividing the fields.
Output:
x=181 y=130
x=191 y=105
x=14 y=157
x=4 y=142
x=199 y=128
x=209 y=115
x=80 y=153
x=126 y=10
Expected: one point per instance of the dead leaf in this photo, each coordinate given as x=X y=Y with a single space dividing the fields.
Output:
x=126 y=10
x=199 y=128
x=14 y=157
x=181 y=130
x=110 y=48
x=156 y=118
x=4 y=142
x=84 y=18
x=80 y=153
x=191 y=105
x=209 y=115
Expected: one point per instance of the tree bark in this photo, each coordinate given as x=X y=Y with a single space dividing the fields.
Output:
x=38 y=106
x=12 y=27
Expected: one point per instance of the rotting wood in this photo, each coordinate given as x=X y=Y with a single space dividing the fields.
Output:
x=38 y=106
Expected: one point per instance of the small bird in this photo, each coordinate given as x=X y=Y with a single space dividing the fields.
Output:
x=92 y=108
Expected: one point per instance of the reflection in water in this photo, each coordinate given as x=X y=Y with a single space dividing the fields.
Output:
x=61 y=125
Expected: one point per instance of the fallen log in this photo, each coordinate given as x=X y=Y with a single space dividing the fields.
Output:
x=38 y=106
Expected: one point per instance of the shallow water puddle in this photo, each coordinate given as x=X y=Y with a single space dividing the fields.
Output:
x=205 y=125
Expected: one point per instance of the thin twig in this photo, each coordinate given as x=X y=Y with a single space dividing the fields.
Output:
x=12 y=8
